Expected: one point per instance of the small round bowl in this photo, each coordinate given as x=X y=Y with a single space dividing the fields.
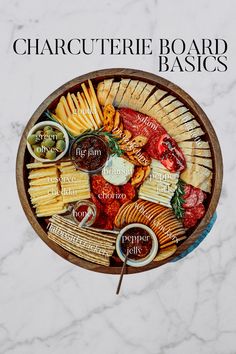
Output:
x=89 y=204
x=143 y=261
x=41 y=125
x=81 y=138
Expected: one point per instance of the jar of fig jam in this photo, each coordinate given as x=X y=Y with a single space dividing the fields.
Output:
x=89 y=152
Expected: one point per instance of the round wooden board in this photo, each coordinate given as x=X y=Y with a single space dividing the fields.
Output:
x=50 y=102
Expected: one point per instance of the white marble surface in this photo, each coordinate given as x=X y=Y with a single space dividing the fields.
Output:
x=47 y=305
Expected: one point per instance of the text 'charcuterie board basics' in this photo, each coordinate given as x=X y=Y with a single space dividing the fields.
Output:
x=116 y=164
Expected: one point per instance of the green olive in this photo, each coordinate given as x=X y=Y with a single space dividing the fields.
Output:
x=54 y=135
x=60 y=145
x=48 y=143
x=49 y=134
x=38 y=152
x=51 y=155
x=39 y=134
x=32 y=139
x=47 y=127
x=60 y=136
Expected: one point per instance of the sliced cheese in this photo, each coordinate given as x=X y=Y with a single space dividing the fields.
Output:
x=192 y=134
x=196 y=175
x=100 y=88
x=183 y=128
x=196 y=152
x=199 y=160
x=136 y=94
x=173 y=115
x=105 y=92
x=112 y=94
x=144 y=96
x=199 y=144
x=177 y=121
x=152 y=100
x=128 y=93
x=122 y=87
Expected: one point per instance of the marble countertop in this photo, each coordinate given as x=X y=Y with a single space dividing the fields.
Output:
x=48 y=305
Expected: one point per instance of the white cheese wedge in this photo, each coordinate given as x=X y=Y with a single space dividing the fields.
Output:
x=117 y=170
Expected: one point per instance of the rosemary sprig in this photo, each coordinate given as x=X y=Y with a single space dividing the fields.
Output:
x=178 y=201
x=112 y=143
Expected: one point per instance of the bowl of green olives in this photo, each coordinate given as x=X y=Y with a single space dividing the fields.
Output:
x=47 y=141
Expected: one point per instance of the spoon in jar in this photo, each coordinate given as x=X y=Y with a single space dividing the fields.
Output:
x=122 y=272
x=86 y=217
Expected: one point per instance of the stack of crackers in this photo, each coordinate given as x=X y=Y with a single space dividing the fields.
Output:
x=52 y=186
x=85 y=243
x=162 y=220
x=167 y=228
x=160 y=185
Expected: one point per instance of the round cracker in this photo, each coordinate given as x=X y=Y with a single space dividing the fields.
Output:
x=120 y=217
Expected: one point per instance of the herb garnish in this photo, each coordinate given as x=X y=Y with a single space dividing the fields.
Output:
x=178 y=200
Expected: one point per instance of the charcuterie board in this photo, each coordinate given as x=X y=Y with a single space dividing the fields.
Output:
x=119 y=161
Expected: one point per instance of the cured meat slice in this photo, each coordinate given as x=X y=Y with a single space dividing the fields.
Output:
x=187 y=190
x=127 y=192
x=112 y=209
x=191 y=200
x=97 y=204
x=97 y=183
x=189 y=219
x=107 y=195
x=199 y=211
x=201 y=196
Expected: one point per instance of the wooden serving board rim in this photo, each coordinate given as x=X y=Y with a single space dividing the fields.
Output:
x=99 y=75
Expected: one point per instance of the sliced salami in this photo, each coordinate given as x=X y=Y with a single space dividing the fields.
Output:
x=201 y=196
x=189 y=219
x=187 y=190
x=191 y=200
x=199 y=211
